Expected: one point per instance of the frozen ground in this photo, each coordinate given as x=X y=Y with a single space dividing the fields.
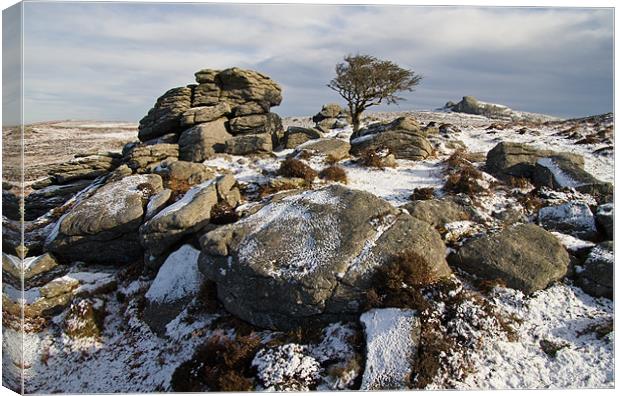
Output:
x=130 y=358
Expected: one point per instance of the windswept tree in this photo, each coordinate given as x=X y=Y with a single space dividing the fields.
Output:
x=364 y=81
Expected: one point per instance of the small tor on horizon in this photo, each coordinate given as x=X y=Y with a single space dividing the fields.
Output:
x=365 y=81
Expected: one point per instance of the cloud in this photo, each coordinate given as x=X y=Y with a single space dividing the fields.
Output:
x=111 y=61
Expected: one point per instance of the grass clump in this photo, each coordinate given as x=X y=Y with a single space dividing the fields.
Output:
x=380 y=158
x=221 y=364
x=455 y=321
x=422 y=194
x=292 y=167
x=222 y=213
x=334 y=173
x=463 y=177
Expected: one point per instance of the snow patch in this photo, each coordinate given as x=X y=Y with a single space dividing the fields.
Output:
x=177 y=278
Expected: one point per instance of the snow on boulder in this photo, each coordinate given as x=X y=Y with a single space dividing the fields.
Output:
x=176 y=284
x=187 y=215
x=525 y=256
x=573 y=218
x=103 y=228
x=605 y=219
x=392 y=338
x=596 y=277
x=311 y=256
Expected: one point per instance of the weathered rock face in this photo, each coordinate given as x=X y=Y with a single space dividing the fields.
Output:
x=572 y=218
x=294 y=136
x=187 y=215
x=392 y=339
x=439 y=212
x=186 y=172
x=145 y=158
x=165 y=116
x=203 y=140
x=37 y=270
x=269 y=123
x=558 y=172
x=597 y=275
x=227 y=103
x=545 y=168
x=197 y=115
x=41 y=201
x=176 y=284
x=402 y=137
x=10 y=205
x=106 y=221
x=525 y=256
x=249 y=144
x=311 y=256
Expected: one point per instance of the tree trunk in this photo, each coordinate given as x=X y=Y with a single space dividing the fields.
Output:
x=355 y=119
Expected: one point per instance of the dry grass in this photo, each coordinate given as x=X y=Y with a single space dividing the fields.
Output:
x=331 y=159
x=517 y=182
x=268 y=189
x=222 y=213
x=178 y=188
x=221 y=364
x=334 y=173
x=422 y=194
x=463 y=177
x=410 y=269
x=466 y=181
x=291 y=167
x=374 y=158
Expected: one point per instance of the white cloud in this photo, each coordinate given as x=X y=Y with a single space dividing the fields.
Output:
x=113 y=60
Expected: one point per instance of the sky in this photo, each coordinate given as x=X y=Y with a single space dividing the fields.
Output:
x=110 y=61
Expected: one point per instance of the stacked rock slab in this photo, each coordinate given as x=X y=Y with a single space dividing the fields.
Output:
x=227 y=111
x=331 y=116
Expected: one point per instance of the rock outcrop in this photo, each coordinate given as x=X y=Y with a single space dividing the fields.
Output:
x=331 y=116
x=210 y=117
x=167 y=225
x=525 y=256
x=311 y=256
x=545 y=168
x=403 y=138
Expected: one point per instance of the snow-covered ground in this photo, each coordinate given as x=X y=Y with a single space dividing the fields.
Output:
x=129 y=357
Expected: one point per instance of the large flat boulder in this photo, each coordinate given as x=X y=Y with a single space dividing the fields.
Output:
x=103 y=228
x=311 y=256
x=519 y=160
x=525 y=256
x=402 y=137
